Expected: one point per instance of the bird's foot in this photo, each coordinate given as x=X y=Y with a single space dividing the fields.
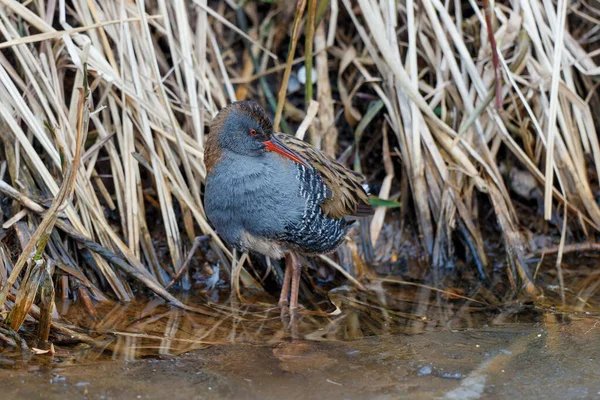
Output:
x=284 y=310
x=284 y=315
x=289 y=319
x=283 y=303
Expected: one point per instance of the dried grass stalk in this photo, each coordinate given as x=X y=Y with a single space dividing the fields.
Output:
x=158 y=71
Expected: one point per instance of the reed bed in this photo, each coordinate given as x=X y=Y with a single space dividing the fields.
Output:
x=458 y=112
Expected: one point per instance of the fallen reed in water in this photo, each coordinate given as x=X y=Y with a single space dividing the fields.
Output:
x=458 y=112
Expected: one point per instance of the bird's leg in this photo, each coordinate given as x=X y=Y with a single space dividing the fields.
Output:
x=296 y=275
x=293 y=326
x=287 y=278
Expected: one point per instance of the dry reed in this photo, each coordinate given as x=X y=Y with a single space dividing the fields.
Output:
x=405 y=91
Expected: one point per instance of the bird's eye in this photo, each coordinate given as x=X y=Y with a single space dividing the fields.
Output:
x=252 y=132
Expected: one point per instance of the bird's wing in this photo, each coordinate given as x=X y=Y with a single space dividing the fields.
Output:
x=346 y=195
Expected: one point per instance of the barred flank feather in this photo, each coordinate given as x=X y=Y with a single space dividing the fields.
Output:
x=316 y=232
x=346 y=195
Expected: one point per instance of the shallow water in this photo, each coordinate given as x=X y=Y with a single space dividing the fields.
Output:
x=414 y=345
x=553 y=358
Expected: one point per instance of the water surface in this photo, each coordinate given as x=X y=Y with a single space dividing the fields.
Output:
x=410 y=345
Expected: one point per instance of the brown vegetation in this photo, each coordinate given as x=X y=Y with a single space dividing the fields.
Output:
x=473 y=121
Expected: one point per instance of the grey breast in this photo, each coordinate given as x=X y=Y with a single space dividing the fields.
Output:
x=270 y=205
x=251 y=201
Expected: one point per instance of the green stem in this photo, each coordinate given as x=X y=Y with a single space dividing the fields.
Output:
x=308 y=47
x=300 y=5
x=243 y=23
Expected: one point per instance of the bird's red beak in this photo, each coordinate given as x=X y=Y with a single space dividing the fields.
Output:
x=276 y=146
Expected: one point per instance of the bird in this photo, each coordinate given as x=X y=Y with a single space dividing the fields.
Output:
x=271 y=193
